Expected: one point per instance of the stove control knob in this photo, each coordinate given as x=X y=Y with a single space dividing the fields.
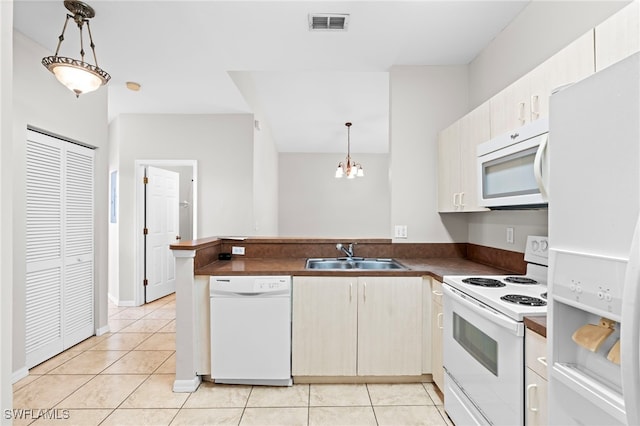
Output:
x=600 y=295
x=535 y=245
x=544 y=245
x=578 y=289
x=608 y=297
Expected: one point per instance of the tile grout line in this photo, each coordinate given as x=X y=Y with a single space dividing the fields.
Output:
x=375 y=417
x=309 y=405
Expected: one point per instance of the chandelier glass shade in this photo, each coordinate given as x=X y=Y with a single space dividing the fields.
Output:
x=77 y=75
x=349 y=168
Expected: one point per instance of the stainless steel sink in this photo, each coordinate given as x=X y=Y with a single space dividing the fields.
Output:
x=354 y=263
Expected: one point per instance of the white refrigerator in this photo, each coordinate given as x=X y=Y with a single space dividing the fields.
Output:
x=594 y=256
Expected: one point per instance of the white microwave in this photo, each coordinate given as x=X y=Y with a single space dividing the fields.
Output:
x=513 y=168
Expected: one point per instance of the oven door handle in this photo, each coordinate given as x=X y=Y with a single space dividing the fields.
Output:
x=488 y=313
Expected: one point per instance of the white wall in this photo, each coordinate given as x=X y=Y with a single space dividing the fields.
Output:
x=490 y=228
x=41 y=101
x=265 y=160
x=265 y=181
x=423 y=101
x=223 y=147
x=6 y=225
x=313 y=203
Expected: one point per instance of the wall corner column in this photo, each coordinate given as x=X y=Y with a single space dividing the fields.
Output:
x=187 y=378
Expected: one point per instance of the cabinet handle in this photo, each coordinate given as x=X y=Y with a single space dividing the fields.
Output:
x=439 y=320
x=521 y=106
x=364 y=293
x=436 y=292
x=455 y=197
x=543 y=360
x=535 y=107
x=350 y=292
x=462 y=199
x=529 y=389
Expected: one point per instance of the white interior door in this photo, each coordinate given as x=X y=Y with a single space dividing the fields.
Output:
x=162 y=224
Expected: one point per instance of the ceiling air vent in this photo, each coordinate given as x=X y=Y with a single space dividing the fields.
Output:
x=328 y=21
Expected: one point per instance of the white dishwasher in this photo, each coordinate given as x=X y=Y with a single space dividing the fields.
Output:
x=251 y=330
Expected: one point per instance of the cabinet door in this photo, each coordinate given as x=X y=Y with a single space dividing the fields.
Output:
x=535 y=399
x=476 y=127
x=437 y=370
x=618 y=36
x=324 y=326
x=449 y=168
x=389 y=326
x=510 y=107
x=571 y=64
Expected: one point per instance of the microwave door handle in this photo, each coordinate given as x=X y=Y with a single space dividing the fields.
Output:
x=537 y=166
x=629 y=332
x=486 y=312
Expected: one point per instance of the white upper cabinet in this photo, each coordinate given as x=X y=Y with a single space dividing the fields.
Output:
x=457 y=177
x=573 y=63
x=527 y=99
x=618 y=36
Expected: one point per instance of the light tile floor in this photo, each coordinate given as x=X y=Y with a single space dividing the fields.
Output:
x=125 y=377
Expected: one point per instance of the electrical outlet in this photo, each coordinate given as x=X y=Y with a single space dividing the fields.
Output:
x=237 y=250
x=510 y=237
x=400 y=231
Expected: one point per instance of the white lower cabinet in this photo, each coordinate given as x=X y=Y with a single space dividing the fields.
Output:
x=365 y=326
x=535 y=378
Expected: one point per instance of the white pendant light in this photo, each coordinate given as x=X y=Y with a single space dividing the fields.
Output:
x=76 y=74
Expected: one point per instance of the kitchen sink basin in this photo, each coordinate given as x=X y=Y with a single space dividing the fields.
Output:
x=355 y=263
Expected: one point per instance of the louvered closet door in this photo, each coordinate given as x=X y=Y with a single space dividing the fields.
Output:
x=43 y=249
x=77 y=307
x=59 y=246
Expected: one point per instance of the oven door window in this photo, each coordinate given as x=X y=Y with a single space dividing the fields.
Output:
x=510 y=175
x=479 y=345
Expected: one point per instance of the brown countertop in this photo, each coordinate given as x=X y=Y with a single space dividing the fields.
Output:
x=537 y=324
x=434 y=267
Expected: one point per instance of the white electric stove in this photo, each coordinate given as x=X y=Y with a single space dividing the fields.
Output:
x=483 y=339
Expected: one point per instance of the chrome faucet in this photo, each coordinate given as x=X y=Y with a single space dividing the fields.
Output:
x=347 y=251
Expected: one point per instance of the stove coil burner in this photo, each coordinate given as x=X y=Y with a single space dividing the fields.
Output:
x=519 y=299
x=483 y=282
x=520 y=280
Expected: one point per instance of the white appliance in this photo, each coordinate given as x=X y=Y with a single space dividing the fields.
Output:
x=251 y=330
x=483 y=340
x=512 y=168
x=594 y=273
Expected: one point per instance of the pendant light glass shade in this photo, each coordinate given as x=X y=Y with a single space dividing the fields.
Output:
x=76 y=74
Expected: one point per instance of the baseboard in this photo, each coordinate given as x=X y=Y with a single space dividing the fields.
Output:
x=20 y=374
x=187 y=385
x=124 y=303
x=102 y=330
x=424 y=378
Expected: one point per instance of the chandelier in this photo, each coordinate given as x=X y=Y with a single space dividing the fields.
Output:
x=77 y=75
x=349 y=168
